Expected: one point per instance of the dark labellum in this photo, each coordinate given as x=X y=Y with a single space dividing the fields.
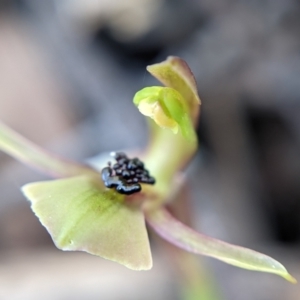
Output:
x=126 y=174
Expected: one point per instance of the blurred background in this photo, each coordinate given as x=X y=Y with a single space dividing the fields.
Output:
x=68 y=73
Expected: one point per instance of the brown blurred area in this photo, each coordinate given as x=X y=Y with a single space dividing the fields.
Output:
x=68 y=72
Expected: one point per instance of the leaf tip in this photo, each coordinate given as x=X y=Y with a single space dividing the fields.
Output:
x=289 y=278
x=25 y=189
x=145 y=267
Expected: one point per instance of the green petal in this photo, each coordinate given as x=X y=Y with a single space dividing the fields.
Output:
x=174 y=108
x=167 y=108
x=20 y=148
x=175 y=73
x=186 y=238
x=81 y=214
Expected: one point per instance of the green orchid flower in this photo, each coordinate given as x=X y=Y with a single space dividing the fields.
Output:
x=82 y=214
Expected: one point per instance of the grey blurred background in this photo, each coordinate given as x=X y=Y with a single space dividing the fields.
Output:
x=68 y=72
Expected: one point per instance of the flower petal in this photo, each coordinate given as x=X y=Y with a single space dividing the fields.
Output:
x=186 y=238
x=167 y=108
x=175 y=73
x=174 y=108
x=27 y=152
x=81 y=214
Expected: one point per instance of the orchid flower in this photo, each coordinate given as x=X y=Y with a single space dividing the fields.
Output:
x=82 y=214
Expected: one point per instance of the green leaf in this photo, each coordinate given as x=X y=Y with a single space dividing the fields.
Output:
x=186 y=238
x=27 y=152
x=81 y=214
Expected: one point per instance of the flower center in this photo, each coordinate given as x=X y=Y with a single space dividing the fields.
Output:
x=126 y=174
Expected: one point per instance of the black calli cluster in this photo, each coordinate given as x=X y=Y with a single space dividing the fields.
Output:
x=126 y=174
